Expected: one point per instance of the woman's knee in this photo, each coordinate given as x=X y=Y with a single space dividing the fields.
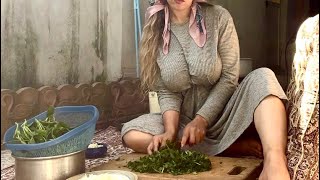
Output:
x=136 y=140
x=263 y=72
x=131 y=137
x=262 y=79
x=272 y=103
x=127 y=139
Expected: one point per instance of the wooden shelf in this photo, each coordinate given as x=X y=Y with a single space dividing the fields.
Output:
x=274 y=1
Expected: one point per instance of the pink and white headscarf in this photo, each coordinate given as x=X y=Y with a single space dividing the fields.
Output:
x=197 y=28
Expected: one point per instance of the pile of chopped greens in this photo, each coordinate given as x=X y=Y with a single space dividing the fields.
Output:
x=40 y=131
x=170 y=159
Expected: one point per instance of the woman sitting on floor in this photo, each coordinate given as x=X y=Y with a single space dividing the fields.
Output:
x=190 y=57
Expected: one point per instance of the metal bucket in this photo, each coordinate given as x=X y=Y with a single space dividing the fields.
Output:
x=50 y=168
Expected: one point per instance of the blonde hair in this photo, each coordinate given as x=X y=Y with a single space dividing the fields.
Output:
x=149 y=51
x=303 y=100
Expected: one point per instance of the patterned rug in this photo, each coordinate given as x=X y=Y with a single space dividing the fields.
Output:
x=110 y=136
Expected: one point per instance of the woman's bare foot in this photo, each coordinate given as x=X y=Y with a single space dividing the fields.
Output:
x=245 y=147
x=275 y=167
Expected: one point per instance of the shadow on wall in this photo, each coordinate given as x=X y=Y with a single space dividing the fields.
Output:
x=56 y=42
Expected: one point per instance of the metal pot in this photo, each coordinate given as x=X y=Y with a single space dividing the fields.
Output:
x=50 y=168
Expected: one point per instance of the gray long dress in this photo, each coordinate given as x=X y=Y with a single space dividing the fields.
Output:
x=204 y=81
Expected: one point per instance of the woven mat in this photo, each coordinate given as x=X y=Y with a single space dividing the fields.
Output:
x=110 y=136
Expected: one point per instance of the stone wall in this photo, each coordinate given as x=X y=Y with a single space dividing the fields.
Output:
x=117 y=102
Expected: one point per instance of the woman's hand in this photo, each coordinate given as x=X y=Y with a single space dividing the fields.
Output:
x=170 y=121
x=195 y=131
x=159 y=141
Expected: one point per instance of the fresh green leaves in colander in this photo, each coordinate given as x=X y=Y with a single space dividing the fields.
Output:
x=170 y=159
x=40 y=131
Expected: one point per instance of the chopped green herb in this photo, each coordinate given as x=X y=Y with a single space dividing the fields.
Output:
x=170 y=159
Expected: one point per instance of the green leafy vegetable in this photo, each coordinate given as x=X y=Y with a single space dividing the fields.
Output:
x=170 y=159
x=40 y=131
x=50 y=113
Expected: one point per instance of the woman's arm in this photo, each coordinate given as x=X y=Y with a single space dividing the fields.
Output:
x=228 y=50
x=170 y=104
x=170 y=108
x=171 y=122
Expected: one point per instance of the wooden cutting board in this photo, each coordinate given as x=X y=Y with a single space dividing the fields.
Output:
x=223 y=168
